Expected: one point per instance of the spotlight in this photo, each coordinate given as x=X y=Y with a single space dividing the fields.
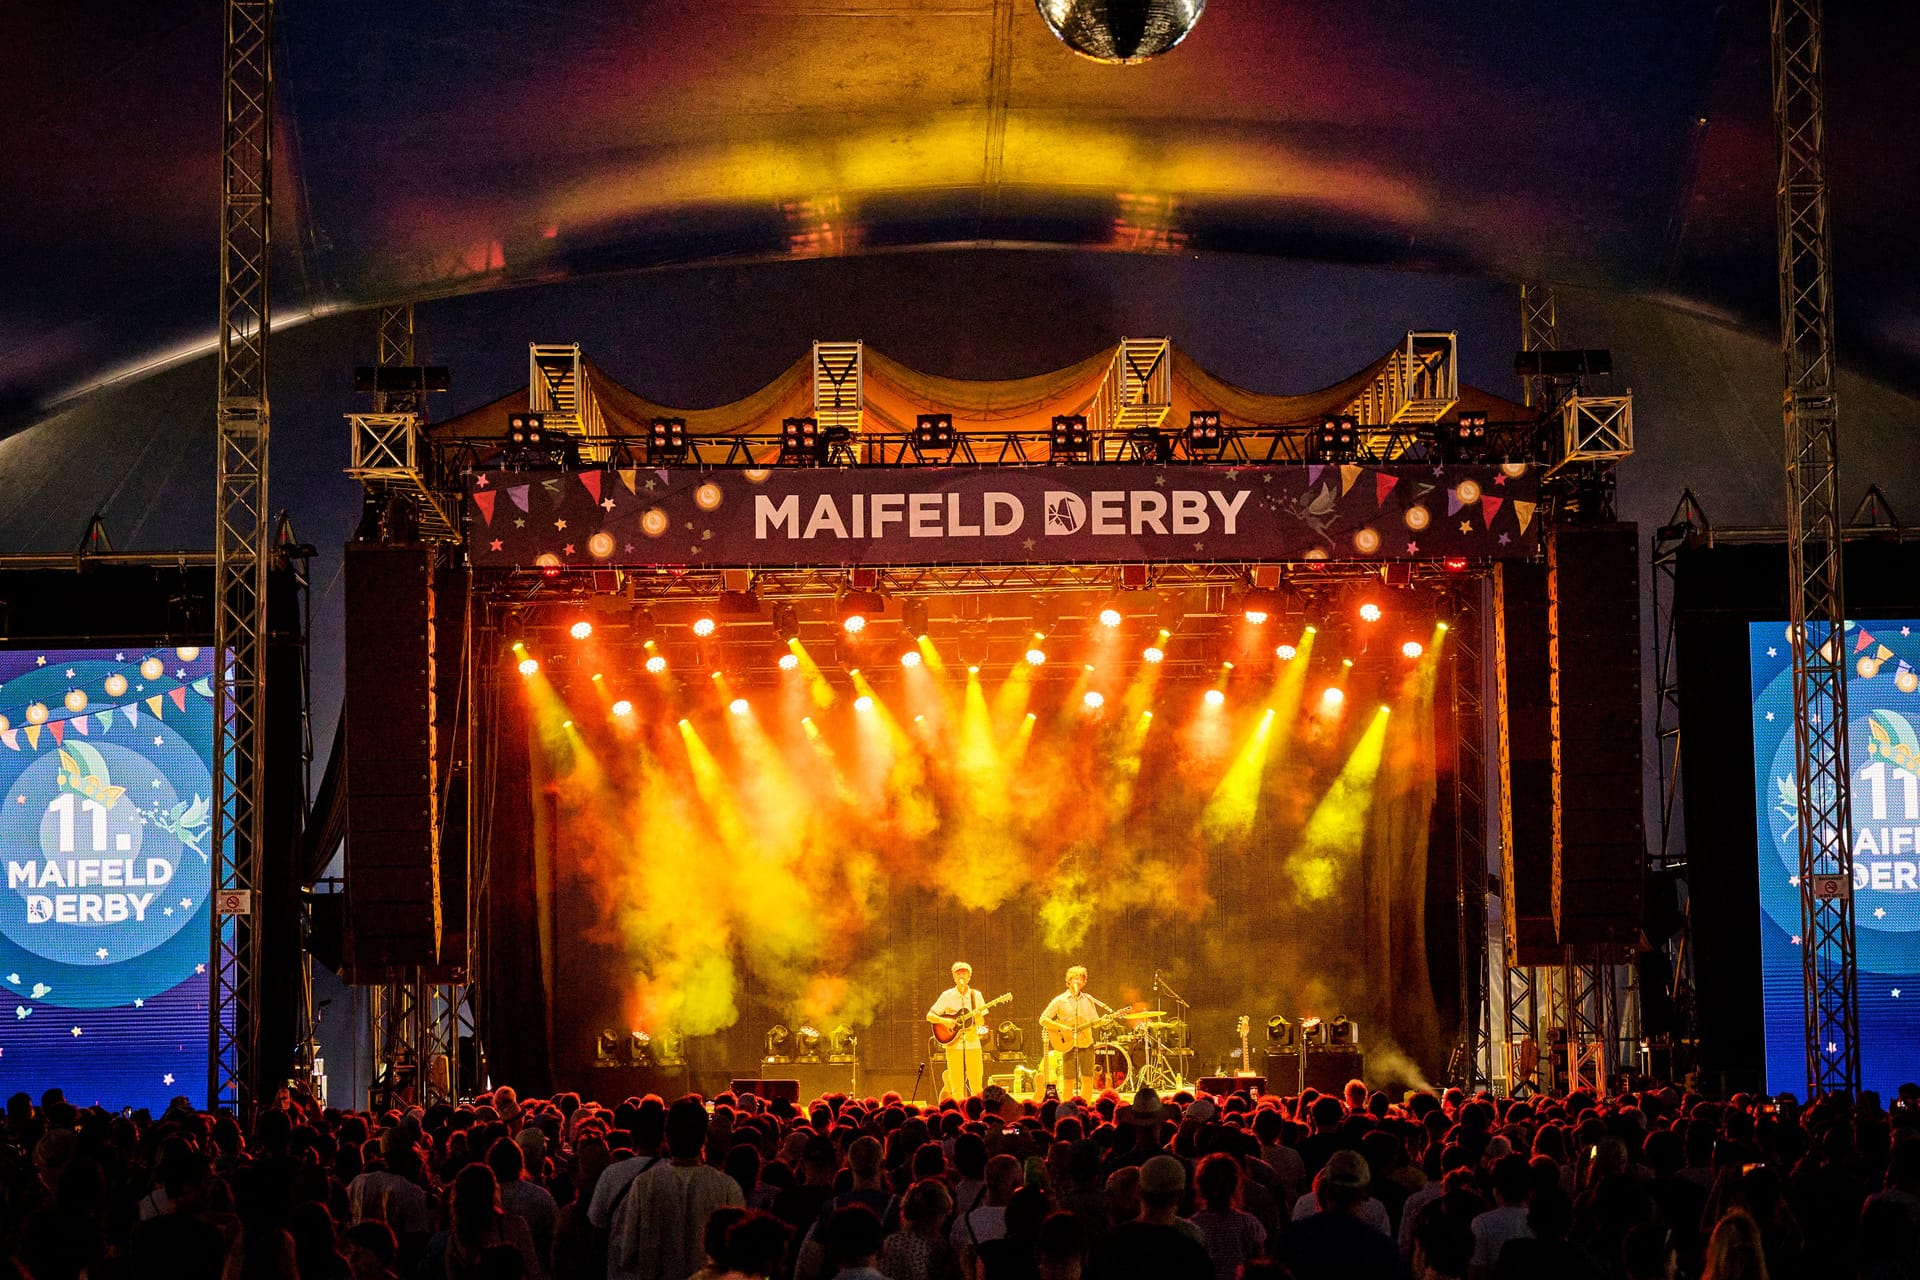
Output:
x=841 y=1043
x=704 y=626
x=1466 y=440
x=640 y=1049
x=1203 y=433
x=1285 y=652
x=1336 y=440
x=1149 y=445
x=799 y=441
x=1343 y=1031
x=1455 y=564
x=1279 y=1033
x=1259 y=604
x=656 y=664
x=786 y=622
x=738 y=706
x=1009 y=1041
x=1111 y=617
x=1153 y=653
x=580 y=630
x=1369 y=612
x=1333 y=697
x=1312 y=1031
x=528 y=666
x=670 y=1049
x=934 y=433
x=789 y=662
x=913 y=618
x=1036 y=655
x=863 y=703
x=623 y=708
x=911 y=658
x=857 y=606
x=1412 y=649
x=1069 y=435
x=1215 y=697
x=666 y=439
x=1093 y=700
x=807 y=1039
x=779 y=1042
x=606 y=1048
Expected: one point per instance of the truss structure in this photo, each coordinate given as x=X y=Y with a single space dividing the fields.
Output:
x=1815 y=588
x=1137 y=393
x=838 y=385
x=1473 y=1053
x=242 y=535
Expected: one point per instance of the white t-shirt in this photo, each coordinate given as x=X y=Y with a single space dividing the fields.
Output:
x=951 y=1002
x=1492 y=1230
x=1372 y=1212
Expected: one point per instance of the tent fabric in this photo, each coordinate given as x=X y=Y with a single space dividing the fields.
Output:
x=893 y=395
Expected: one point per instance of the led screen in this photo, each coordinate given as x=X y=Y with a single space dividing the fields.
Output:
x=1883 y=707
x=105 y=830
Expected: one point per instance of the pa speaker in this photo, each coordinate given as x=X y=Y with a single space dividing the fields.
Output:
x=1524 y=699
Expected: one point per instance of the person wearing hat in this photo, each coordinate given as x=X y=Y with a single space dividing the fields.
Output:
x=965 y=1074
x=1159 y=1244
x=1339 y=1241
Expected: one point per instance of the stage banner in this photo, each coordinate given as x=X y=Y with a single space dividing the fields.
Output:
x=1089 y=514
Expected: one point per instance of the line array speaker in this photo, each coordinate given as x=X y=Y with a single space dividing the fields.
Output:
x=1523 y=695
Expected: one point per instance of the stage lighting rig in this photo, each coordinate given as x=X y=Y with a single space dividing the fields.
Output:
x=1466 y=439
x=836 y=446
x=1337 y=439
x=842 y=1042
x=640 y=1049
x=1343 y=1032
x=1313 y=1032
x=1260 y=604
x=799 y=442
x=1069 y=436
x=531 y=447
x=1009 y=1042
x=1205 y=439
x=934 y=433
x=1144 y=444
x=1280 y=1034
x=807 y=1043
x=779 y=1043
x=913 y=618
x=606 y=1048
x=858 y=608
x=786 y=623
x=667 y=440
x=670 y=1049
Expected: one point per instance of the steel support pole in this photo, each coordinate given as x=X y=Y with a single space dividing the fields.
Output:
x=1814 y=538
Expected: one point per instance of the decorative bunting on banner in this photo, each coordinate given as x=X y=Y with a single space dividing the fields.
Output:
x=1882 y=653
x=517 y=495
x=179 y=697
x=1313 y=473
x=1489 y=508
x=33 y=736
x=105 y=718
x=552 y=489
x=591 y=481
x=132 y=713
x=1524 y=511
x=59 y=730
x=153 y=705
x=483 y=499
x=1863 y=640
x=1453 y=502
x=627 y=476
x=204 y=686
x=80 y=723
x=1382 y=486
x=11 y=737
x=1348 y=474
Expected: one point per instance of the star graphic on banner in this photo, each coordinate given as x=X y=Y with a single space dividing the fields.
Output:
x=1504 y=539
x=494 y=545
x=1772 y=652
x=1026 y=544
x=159 y=741
x=648 y=486
x=1815 y=717
x=76 y=1033
x=1266 y=477
x=1466 y=526
x=1794 y=881
x=20 y=799
x=139 y=688
x=186 y=904
x=1832 y=1047
x=139 y=1003
x=101 y=954
x=607 y=503
x=168 y=1078
x=199 y=968
x=1413 y=548
x=568 y=548
x=119 y=657
x=1501 y=480
x=167 y=911
x=1896 y=993
x=13 y=978
x=1795 y=940
x=519 y=523
x=1199 y=546
x=40 y=661
x=155 y=784
x=1439 y=471
x=559 y=524
x=705 y=534
x=1906 y=631
x=629 y=548
x=181 y=672
x=1769 y=715
x=1879 y=913
x=481 y=483
x=689 y=524
x=69 y=673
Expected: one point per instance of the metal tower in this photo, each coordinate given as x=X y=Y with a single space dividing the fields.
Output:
x=1814 y=550
x=243 y=535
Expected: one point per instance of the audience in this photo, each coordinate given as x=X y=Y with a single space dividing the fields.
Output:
x=1657 y=1184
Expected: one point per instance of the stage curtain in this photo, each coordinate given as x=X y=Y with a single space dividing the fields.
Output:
x=516 y=1001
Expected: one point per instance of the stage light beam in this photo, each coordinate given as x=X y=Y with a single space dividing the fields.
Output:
x=656 y=664
x=703 y=626
x=580 y=630
x=623 y=708
x=1370 y=612
x=529 y=665
x=1412 y=649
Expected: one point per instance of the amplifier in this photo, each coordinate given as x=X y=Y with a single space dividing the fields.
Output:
x=768 y=1089
x=1227 y=1086
x=1328 y=1070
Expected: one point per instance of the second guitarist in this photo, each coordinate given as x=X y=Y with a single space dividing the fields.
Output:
x=1069 y=1021
x=965 y=1074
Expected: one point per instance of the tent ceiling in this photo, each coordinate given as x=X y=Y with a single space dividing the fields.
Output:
x=433 y=149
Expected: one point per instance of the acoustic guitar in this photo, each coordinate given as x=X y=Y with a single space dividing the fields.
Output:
x=965 y=1021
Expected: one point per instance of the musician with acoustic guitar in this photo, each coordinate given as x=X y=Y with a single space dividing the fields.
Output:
x=1069 y=1022
x=959 y=1023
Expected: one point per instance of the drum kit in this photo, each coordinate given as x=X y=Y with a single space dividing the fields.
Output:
x=1138 y=1048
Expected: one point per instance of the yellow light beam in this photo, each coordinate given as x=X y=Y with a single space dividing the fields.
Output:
x=1336 y=832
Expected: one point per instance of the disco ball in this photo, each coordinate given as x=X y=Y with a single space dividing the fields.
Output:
x=1121 y=30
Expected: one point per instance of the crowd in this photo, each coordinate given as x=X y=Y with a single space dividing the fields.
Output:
x=1649 y=1185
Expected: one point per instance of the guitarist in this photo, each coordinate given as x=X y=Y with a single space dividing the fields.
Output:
x=965 y=1074
x=1069 y=1020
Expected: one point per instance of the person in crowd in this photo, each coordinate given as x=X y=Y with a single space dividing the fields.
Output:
x=650 y=1237
x=853 y=1240
x=1370 y=1210
x=713 y=1241
x=1735 y=1250
x=920 y=1250
x=522 y=1196
x=1340 y=1239
x=1507 y=1220
x=1159 y=1244
x=1231 y=1234
x=479 y=1232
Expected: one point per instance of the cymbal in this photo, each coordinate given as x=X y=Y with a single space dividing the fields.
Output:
x=1144 y=1013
